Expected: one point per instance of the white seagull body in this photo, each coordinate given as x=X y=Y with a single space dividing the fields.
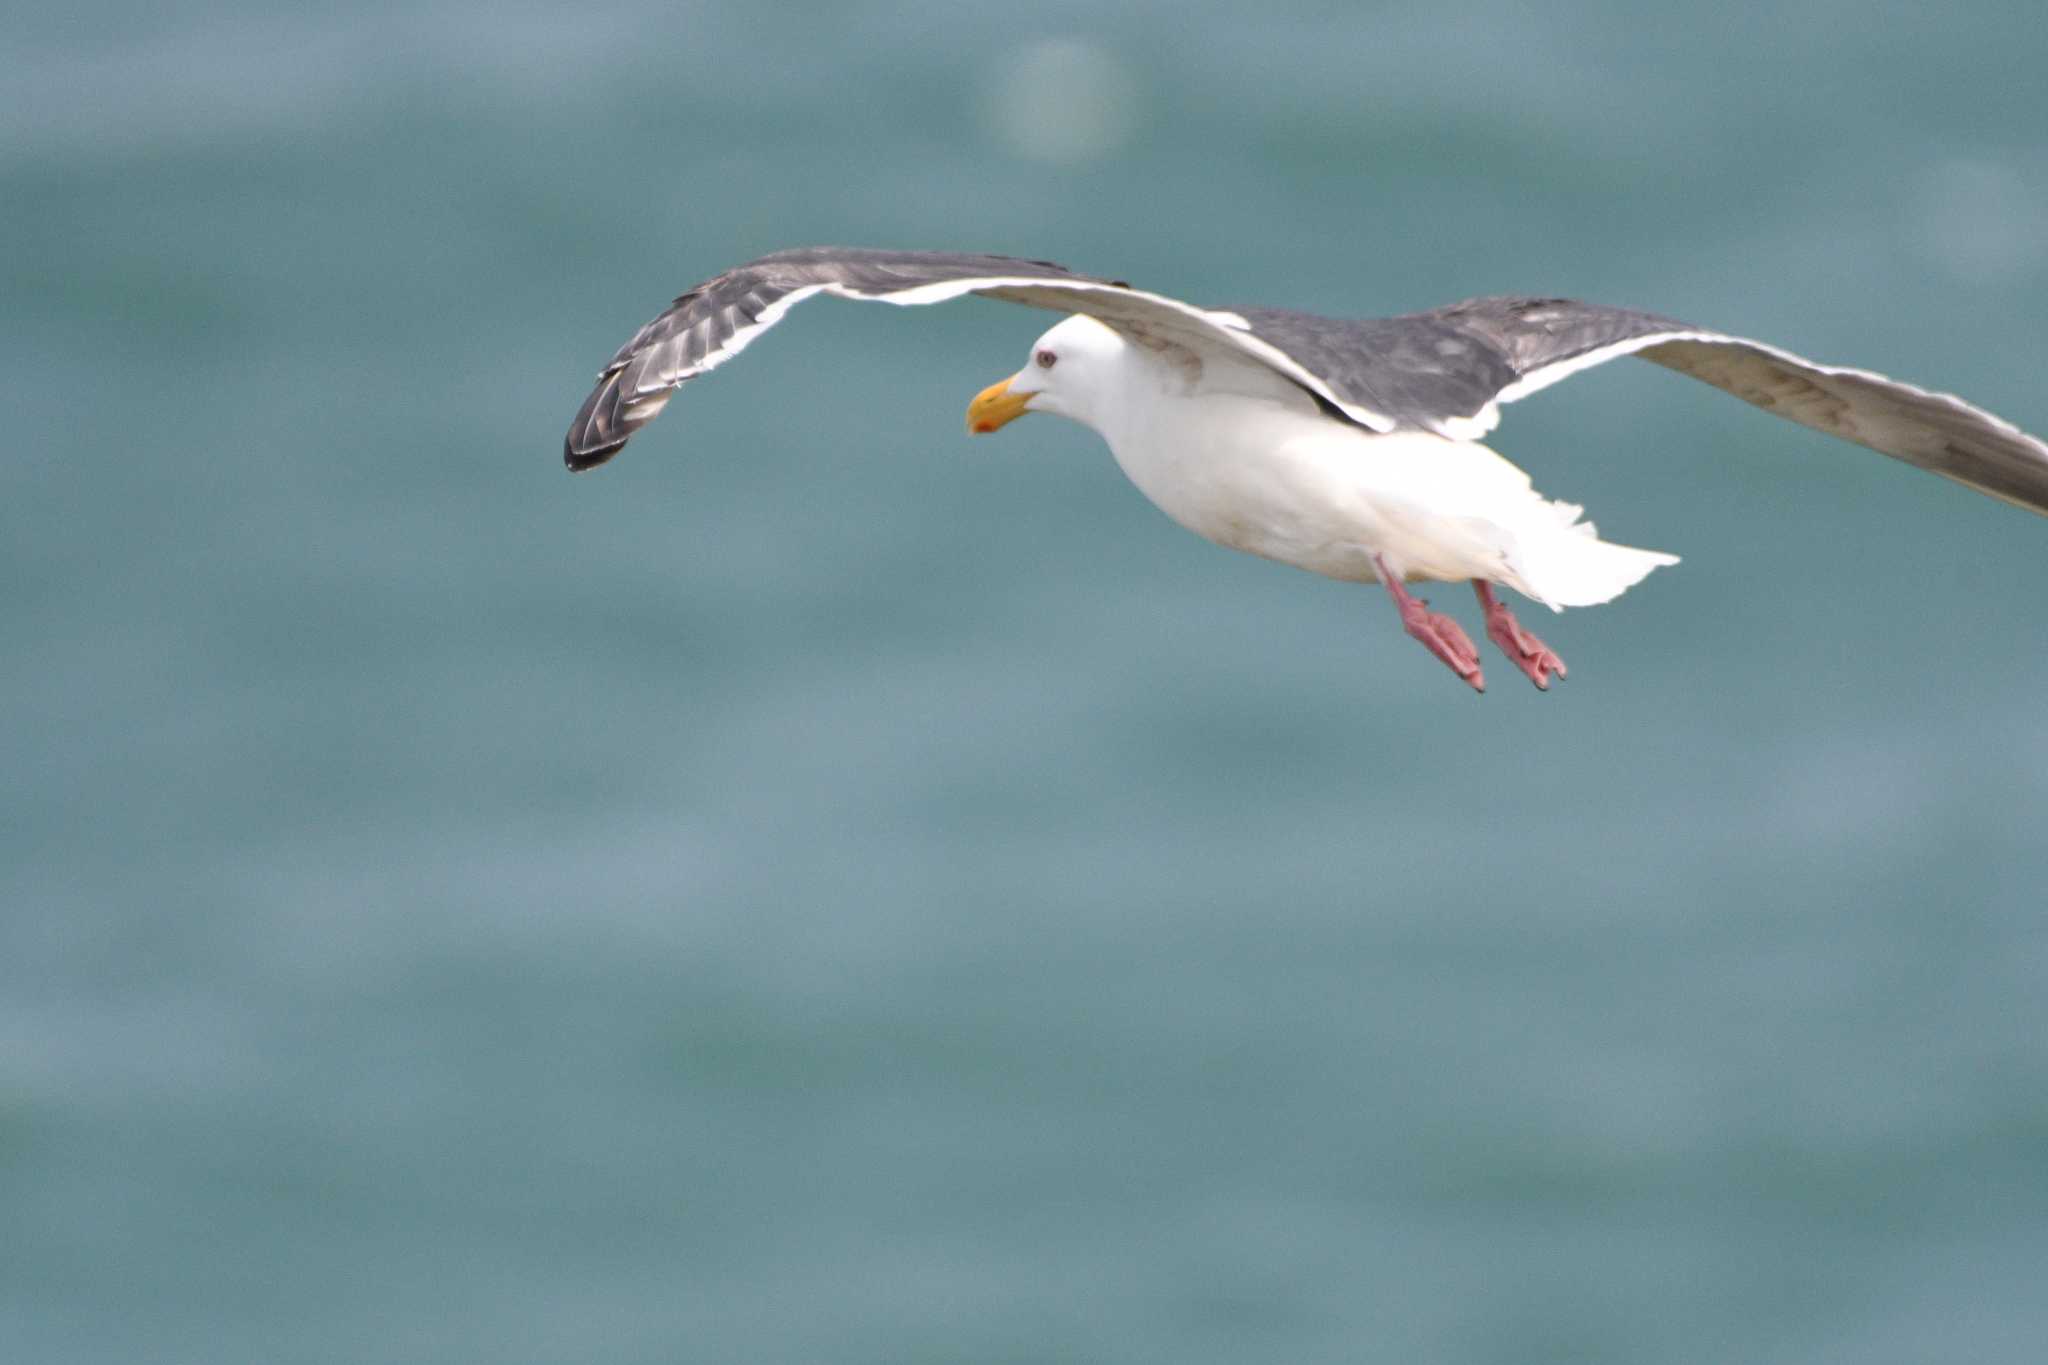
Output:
x=1347 y=448
x=1246 y=459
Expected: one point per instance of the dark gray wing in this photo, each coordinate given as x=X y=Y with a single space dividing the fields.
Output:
x=714 y=321
x=1450 y=369
x=1422 y=370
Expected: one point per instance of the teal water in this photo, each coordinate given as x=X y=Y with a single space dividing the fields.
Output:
x=824 y=889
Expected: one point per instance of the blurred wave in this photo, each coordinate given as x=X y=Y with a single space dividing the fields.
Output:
x=820 y=889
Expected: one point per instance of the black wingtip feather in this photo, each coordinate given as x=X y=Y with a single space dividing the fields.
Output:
x=598 y=433
x=581 y=460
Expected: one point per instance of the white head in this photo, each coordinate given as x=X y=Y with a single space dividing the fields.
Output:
x=1073 y=371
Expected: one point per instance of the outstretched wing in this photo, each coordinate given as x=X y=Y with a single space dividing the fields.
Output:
x=716 y=320
x=1447 y=370
x=1526 y=344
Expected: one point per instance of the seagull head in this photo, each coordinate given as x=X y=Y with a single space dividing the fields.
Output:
x=1072 y=371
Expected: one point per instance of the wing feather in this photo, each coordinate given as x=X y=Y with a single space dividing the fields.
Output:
x=711 y=323
x=1547 y=340
x=1448 y=370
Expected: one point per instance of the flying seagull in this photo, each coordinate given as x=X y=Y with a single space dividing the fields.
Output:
x=1347 y=448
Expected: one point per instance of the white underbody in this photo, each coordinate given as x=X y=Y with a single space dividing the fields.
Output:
x=1240 y=456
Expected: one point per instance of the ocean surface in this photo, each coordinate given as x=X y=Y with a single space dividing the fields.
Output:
x=824 y=889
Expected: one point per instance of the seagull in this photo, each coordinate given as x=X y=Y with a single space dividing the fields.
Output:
x=1349 y=448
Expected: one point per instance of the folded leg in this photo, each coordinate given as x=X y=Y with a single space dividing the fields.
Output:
x=1441 y=635
x=1531 y=655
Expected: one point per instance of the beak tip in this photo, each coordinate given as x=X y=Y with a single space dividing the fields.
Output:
x=993 y=407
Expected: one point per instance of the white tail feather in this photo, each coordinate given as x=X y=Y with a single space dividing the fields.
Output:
x=1573 y=569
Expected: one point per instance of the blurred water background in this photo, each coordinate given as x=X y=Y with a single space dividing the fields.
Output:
x=822 y=889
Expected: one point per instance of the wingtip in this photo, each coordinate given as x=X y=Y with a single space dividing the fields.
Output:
x=578 y=461
x=594 y=436
x=588 y=459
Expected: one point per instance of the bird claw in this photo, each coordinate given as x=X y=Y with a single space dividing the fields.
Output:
x=1446 y=639
x=1537 y=660
x=1438 y=633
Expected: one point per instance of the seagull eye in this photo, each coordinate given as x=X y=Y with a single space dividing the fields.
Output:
x=1046 y=360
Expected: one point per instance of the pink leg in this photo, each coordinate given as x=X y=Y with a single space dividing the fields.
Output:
x=1439 y=633
x=1528 y=653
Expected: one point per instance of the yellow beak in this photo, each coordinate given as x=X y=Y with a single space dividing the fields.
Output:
x=994 y=406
